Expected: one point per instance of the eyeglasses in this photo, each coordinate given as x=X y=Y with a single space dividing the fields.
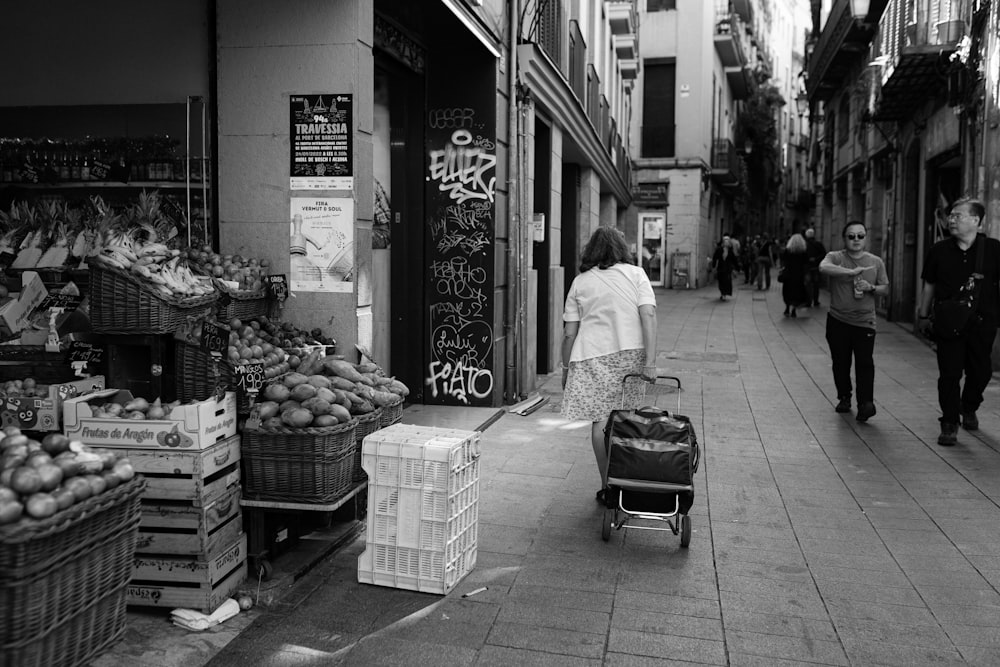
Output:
x=958 y=216
x=855 y=237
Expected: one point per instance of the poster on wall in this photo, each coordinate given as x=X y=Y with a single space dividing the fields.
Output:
x=321 y=142
x=321 y=244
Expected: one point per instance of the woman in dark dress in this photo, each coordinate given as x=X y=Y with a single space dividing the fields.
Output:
x=724 y=262
x=794 y=263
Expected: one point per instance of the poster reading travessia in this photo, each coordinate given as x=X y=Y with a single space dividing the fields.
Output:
x=320 y=137
x=321 y=245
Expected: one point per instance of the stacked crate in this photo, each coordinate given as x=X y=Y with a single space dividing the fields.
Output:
x=423 y=507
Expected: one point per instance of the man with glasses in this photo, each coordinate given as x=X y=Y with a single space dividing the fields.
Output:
x=949 y=266
x=856 y=277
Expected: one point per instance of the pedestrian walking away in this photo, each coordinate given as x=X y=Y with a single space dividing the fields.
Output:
x=962 y=273
x=765 y=260
x=793 y=274
x=724 y=262
x=609 y=332
x=856 y=277
x=815 y=252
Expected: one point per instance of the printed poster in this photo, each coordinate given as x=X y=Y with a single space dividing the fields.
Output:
x=321 y=132
x=321 y=245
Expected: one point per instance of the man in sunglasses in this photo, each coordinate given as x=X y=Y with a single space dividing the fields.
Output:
x=856 y=277
x=949 y=271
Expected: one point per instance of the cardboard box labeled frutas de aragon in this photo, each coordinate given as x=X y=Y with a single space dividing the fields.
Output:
x=195 y=425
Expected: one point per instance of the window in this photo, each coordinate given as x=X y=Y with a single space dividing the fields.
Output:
x=660 y=5
x=659 y=81
x=844 y=114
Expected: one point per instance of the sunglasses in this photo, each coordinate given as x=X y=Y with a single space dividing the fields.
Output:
x=855 y=237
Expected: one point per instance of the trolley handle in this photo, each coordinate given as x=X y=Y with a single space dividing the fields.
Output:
x=676 y=380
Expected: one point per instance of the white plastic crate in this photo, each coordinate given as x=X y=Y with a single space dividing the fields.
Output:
x=423 y=507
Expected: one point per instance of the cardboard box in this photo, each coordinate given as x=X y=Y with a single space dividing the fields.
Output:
x=192 y=426
x=15 y=315
x=43 y=414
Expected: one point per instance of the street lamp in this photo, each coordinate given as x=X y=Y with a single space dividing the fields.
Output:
x=802 y=104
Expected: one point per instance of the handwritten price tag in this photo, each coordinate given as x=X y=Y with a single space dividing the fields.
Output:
x=68 y=302
x=277 y=286
x=214 y=338
x=249 y=377
x=86 y=357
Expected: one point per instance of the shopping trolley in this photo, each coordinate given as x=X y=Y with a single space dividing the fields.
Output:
x=653 y=455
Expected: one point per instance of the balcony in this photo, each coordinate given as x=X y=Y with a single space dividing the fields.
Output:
x=593 y=96
x=629 y=68
x=622 y=16
x=658 y=140
x=578 y=62
x=912 y=50
x=740 y=82
x=725 y=164
x=744 y=10
x=727 y=41
x=845 y=39
x=625 y=46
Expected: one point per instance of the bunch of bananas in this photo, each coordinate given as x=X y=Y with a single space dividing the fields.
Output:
x=157 y=264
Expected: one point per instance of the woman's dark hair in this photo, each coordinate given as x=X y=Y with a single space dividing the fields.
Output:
x=851 y=224
x=605 y=248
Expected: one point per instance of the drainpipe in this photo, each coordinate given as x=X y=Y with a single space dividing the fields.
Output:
x=511 y=330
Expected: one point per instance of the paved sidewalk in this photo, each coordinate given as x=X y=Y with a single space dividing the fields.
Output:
x=817 y=540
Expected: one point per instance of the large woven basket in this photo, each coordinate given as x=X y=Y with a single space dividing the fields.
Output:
x=121 y=303
x=198 y=375
x=367 y=424
x=242 y=304
x=325 y=441
x=59 y=578
x=392 y=414
x=299 y=479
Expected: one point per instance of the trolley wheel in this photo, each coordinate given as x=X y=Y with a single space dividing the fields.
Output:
x=609 y=518
x=685 y=530
x=263 y=569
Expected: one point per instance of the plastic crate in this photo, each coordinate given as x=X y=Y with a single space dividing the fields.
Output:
x=423 y=507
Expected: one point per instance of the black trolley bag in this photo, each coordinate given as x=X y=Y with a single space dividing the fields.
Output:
x=653 y=455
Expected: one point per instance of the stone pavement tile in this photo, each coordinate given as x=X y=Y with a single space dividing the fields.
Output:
x=963 y=614
x=576 y=573
x=502 y=656
x=379 y=650
x=965 y=635
x=626 y=660
x=920 y=525
x=547 y=615
x=516 y=513
x=835 y=532
x=864 y=546
x=979 y=596
x=584 y=542
x=699 y=583
x=868 y=592
x=780 y=533
x=532 y=466
x=854 y=575
x=780 y=624
x=805 y=649
x=744 y=660
x=965 y=578
x=885 y=513
x=810 y=606
x=660 y=646
x=766 y=570
x=954 y=562
x=824 y=518
x=943 y=550
x=667 y=624
x=565 y=642
x=841 y=501
x=980 y=656
x=789 y=557
x=749 y=539
x=667 y=604
x=537 y=595
x=881 y=653
x=892 y=633
x=743 y=584
x=841 y=609
x=502 y=539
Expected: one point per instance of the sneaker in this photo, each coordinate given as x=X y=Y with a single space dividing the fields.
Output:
x=866 y=411
x=970 y=421
x=949 y=435
x=844 y=405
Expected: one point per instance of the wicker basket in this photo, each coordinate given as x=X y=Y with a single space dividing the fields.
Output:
x=198 y=375
x=392 y=414
x=62 y=579
x=367 y=424
x=121 y=303
x=307 y=478
x=18 y=362
x=325 y=441
x=242 y=304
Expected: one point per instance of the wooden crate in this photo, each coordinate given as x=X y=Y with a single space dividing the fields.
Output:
x=196 y=476
x=192 y=583
x=179 y=527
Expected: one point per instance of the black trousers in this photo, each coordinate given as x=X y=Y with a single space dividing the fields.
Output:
x=812 y=285
x=847 y=341
x=968 y=354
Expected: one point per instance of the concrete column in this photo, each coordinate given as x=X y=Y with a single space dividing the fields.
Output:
x=609 y=211
x=590 y=204
x=557 y=272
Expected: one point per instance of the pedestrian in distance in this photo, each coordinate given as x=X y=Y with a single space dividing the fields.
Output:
x=856 y=277
x=609 y=332
x=793 y=274
x=724 y=262
x=815 y=252
x=964 y=267
x=766 y=256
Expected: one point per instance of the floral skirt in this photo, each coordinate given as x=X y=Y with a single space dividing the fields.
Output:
x=594 y=386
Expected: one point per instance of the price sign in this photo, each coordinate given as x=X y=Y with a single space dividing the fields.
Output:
x=277 y=286
x=249 y=376
x=214 y=339
x=85 y=358
x=68 y=302
x=99 y=171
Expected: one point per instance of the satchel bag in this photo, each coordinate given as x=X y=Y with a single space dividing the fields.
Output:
x=952 y=316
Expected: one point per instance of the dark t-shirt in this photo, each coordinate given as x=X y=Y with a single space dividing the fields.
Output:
x=815 y=252
x=948 y=267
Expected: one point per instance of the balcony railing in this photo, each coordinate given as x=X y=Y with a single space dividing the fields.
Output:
x=725 y=163
x=728 y=42
x=658 y=140
x=622 y=16
x=550 y=28
x=577 y=61
x=629 y=69
x=604 y=121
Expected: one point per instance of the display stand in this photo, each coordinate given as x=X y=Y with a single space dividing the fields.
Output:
x=268 y=523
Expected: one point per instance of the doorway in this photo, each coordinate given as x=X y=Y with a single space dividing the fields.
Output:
x=541 y=249
x=653 y=245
